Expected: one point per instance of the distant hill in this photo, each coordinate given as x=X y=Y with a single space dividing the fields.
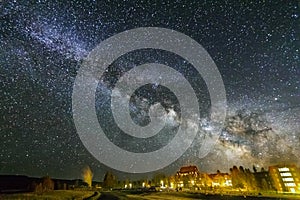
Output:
x=20 y=183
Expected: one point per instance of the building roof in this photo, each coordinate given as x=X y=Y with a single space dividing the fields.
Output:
x=187 y=169
x=283 y=165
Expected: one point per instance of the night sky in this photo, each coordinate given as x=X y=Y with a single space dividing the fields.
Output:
x=255 y=46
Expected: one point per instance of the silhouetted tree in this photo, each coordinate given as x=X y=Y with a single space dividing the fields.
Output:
x=172 y=179
x=238 y=177
x=110 y=180
x=206 y=181
x=241 y=169
x=250 y=180
x=157 y=178
x=47 y=183
x=38 y=188
x=234 y=176
x=127 y=182
x=264 y=184
x=33 y=186
x=254 y=169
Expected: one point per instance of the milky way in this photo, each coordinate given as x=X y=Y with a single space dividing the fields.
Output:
x=255 y=46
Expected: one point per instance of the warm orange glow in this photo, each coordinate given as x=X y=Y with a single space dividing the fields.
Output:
x=87 y=175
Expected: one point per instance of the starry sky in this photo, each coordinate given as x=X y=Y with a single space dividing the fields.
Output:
x=255 y=45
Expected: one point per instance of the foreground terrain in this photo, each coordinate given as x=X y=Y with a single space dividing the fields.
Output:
x=133 y=195
x=51 y=195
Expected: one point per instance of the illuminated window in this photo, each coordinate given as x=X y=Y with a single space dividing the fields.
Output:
x=286 y=174
x=290 y=184
x=284 y=169
x=293 y=190
x=287 y=179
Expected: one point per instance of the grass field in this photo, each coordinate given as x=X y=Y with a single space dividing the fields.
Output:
x=52 y=195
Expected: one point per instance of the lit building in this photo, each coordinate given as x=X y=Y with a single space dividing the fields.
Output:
x=286 y=178
x=220 y=179
x=187 y=176
x=205 y=180
x=188 y=170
